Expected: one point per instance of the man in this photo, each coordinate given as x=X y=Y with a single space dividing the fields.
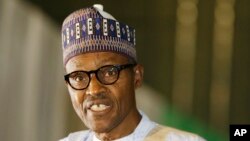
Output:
x=102 y=75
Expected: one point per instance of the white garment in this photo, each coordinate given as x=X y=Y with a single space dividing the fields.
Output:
x=142 y=131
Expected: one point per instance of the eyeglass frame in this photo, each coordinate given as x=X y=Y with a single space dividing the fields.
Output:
x=118 y=67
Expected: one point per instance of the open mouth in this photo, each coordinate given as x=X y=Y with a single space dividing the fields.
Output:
x=99 y=107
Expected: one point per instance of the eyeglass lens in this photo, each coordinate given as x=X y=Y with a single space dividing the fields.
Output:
x=106 y=75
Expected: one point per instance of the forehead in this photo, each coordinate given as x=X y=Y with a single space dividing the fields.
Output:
x=92 y=61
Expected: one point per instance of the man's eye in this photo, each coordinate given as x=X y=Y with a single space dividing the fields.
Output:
x=110 y=72
x=78 y=78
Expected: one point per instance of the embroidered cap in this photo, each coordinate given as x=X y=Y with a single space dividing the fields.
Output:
x=94 y=30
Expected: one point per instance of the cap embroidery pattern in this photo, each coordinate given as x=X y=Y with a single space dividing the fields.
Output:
x=86 y=31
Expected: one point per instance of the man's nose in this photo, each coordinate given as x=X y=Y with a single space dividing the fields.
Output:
x=95 y=87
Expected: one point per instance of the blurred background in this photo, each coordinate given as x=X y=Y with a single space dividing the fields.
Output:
x=195 y=54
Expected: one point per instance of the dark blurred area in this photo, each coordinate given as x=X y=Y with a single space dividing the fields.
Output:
x=195 y=54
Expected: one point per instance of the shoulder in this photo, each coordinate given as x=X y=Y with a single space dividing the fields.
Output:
x=78 y=136
x=172 y=134
x=180 y=135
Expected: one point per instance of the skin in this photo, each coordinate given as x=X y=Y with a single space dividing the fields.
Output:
x=122 y=116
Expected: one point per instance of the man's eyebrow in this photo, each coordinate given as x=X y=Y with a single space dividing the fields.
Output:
x=106 y=60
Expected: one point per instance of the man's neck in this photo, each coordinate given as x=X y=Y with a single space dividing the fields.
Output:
x=126 y=127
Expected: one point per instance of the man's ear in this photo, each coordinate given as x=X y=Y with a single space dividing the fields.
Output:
x=138 y=73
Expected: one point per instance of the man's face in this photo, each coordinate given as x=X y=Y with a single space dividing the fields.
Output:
x=104 y=107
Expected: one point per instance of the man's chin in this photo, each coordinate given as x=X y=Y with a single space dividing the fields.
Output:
x=101 y=126
x=100 y=129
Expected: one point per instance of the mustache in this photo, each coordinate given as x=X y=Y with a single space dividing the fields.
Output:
x=98 y=96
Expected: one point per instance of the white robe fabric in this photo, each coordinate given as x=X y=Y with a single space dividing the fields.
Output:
x=146 y=130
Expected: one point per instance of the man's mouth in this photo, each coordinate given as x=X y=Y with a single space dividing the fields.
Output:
x=99 y=107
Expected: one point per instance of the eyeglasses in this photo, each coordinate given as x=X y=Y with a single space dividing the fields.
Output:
x=106 y=75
